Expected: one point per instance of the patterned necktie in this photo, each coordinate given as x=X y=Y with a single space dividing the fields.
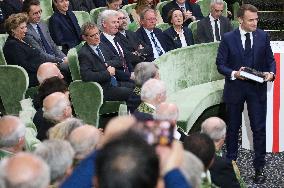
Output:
x=217 y=34
x=44 y=42
x=125 y=67
x=100 y=53
x=159 y=50
x=247 y=43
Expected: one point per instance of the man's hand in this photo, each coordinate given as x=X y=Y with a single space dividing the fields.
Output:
x=268 y=76
x=111 y=70
x=237 y=74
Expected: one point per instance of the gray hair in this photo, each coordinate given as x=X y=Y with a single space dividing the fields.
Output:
x=103 y=16
x=12 y=139
x=216 y=2
x=152 y=88
x=57 y=111
x=58 y=154
x=215 y=128
x=125 y=14
x=166 y=112
x=192 y=168
x=144 y=71
x=142 y=14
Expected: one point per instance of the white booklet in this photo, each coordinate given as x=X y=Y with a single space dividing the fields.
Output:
x=252 y=74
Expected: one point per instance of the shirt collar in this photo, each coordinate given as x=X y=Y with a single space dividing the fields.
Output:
x=211 y=18
x=243 y=32
x=109 y=37
x=182 y=5
x=148 y=31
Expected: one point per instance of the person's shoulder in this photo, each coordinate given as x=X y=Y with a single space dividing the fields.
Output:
x=231 y=33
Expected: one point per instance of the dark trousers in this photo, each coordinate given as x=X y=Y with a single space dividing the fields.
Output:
x=112 y=93
x=257 y=115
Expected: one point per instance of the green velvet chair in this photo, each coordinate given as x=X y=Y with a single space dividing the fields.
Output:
x=192 y=80
x=235 y=24
x=87 y=98
x=3 y=38
x=133 y=26
x=14 y=82
x=82 y=17
x=74 y=64
x=193 y=27
x=46 y=6
x=128 y=8
x=95 y=13
x=205 y=7
x=31 y=92
x=163 y=26
x=236 y=7
x=160 y=5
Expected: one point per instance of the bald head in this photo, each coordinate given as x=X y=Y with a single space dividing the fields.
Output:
x=12 y=132
x=167 y=112
x=48 y=70
x=84 y=139
x=56 y=107
x=25 y=170
x=154 y=92
x=215 y=128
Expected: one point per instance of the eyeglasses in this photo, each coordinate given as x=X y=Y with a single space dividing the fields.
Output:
x=151 y=19
x=95 y=34
x=122 y=18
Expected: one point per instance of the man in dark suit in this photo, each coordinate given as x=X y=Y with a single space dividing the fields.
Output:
x=246 y=46
x=97 y=63
x=64 y=27
x=150 y=35
x=191 y=11
x=213 y=27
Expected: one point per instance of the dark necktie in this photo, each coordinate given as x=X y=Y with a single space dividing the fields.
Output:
x=247 y=43
x=217 y=33
x=44 y=42
x=113 y=80
x=159 y=50
x=125 y=67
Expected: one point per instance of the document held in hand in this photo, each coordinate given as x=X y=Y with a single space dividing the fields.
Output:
x=252 y=74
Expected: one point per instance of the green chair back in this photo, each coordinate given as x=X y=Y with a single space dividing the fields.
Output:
x=163 y=26
x=193 y=27
x=87 y=98
x=14 y=82
x=160 y=6
x=46 y=6
x=133 y=26
x=235 y=24
x=74 y=66
x=95 y=13
x=3 y=38
x=128 y=8
x=236 y=7
x=205 y=7
x=82 y=17
x=179 y=67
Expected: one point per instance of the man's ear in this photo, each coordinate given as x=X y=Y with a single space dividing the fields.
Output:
x=240 y=20
x=95 y=182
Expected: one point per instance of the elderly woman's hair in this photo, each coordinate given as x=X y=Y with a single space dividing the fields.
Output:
x=14 y=21
x=103 y=16
x=144 y=71
x=170 y=15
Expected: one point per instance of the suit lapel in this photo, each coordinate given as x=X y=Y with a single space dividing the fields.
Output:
x=33 y=32
x=65 y=23
x=210 y=30
x=94 y=54
x=222 y=26
x=108 y=43
x=255 y=45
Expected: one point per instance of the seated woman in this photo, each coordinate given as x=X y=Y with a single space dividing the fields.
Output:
x=143 y=71
x=17 y=51
x=140 y=6
x=177 y=36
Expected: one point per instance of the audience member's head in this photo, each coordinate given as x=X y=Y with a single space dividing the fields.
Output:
x=12 y=134
x=123 y=19
x=175 y=17
x=202 y=146
x=108 y=22
x=58 y=154
x=15 y=25
x=142 y=4
x=192 y=168
x=127 y=161
x=144 y=71
x=25 y=170
x=90 y=33
x=33 y=10
x=167 y=112
x=148 y=19
x=56 y=107
x=216 y=8
x=48 y=70
x=63 y=129
x=114 y=4
x=153 y=92
x=215 y=128
x=61 y=5
x=84 y=140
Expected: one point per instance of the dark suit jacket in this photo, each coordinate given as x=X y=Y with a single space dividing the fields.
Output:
x=192 y=7
x=22 y=54
x=9 y=7
x=223 y=174
x=82 y=5
x=231 y=58
x=173 y=40
x=205 y=31
x=33 y=38
x=142 y=35
x=62 y=33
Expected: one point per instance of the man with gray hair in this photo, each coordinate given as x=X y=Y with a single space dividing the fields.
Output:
x=108 y=23
x=24 y=170
x=12 y=136
x=58 y=154
x=213 y=27
x=153 y=93
x=48 y=70
x=222 y=172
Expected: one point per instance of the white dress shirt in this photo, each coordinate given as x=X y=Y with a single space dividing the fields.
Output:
x=212 y=21
x=156 y=54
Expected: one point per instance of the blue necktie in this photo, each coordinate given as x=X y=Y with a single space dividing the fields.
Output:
x=44 y=42
x=159 y=50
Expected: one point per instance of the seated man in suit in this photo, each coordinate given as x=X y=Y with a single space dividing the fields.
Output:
x=212 y=27
x=191 y=11
x=108 y=23
x=97 y=63
x=139 y=51
x=150 y=35
x=64 y=27
x=153 y=93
